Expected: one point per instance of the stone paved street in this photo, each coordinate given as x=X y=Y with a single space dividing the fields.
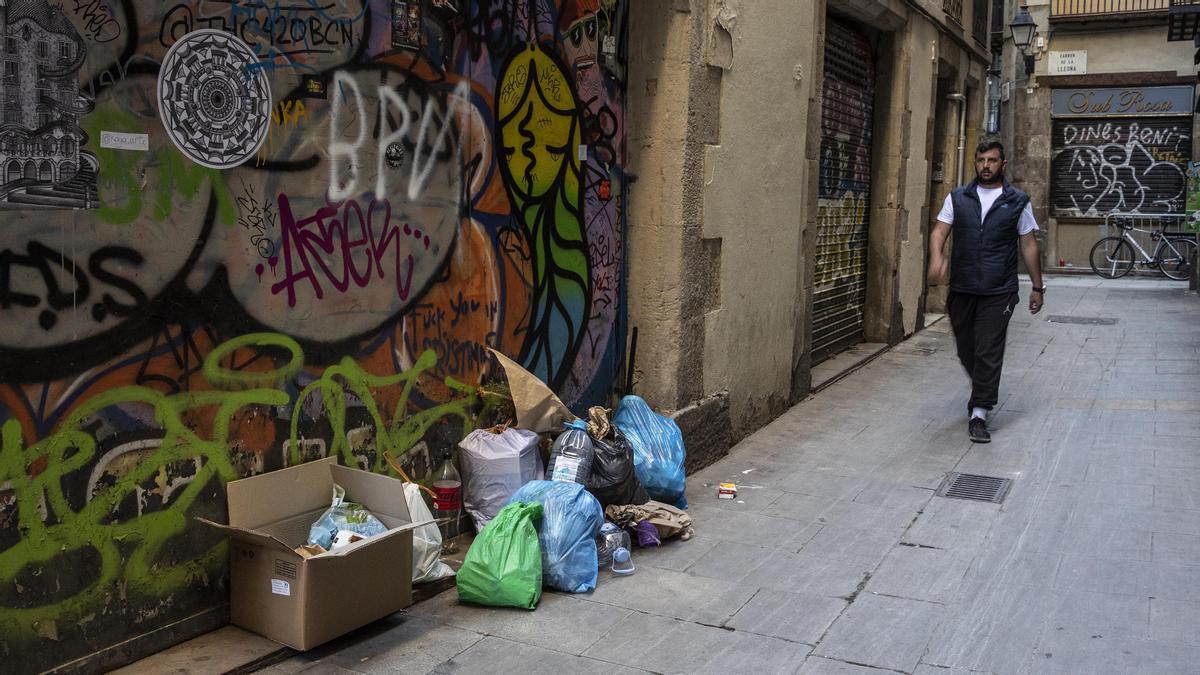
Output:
x=837 y=557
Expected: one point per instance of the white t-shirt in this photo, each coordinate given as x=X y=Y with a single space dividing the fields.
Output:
x=987 y=197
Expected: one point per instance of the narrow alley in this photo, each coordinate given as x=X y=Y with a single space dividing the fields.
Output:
x=837 y=557
x=340 y=335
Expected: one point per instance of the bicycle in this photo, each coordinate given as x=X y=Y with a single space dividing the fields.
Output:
x=1113 y=257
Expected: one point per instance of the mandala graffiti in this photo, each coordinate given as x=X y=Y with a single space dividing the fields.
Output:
x=215 y=105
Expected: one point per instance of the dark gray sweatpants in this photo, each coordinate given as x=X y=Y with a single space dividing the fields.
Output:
x=980 y=325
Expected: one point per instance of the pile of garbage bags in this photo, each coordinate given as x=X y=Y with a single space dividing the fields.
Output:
x=554 y=499
x=607 y=483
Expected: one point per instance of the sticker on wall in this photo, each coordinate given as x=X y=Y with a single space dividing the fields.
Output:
x=406 y=24
x=42 y=163
x=117 y=140
x=214 y=102
x=312 y=86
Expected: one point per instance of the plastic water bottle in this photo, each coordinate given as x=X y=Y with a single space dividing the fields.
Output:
x=610 y=539
x=447 y=498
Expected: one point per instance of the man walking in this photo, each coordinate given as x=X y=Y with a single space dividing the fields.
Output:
x=991 y=220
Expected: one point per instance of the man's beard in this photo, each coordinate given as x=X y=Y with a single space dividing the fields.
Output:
x=996 y=178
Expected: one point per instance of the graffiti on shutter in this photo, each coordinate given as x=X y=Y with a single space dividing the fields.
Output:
x=840 y=281
x=1126 y=165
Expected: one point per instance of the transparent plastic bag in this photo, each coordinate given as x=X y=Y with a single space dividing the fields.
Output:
x=427 y=540
x=658 y=450
x=343 y=515
x=571 y=518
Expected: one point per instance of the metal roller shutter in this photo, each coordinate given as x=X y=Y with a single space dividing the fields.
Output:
x=843 y=204
x=1128 y=165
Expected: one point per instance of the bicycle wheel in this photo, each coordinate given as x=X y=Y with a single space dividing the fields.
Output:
x=1112 y=257
x=1175 y=257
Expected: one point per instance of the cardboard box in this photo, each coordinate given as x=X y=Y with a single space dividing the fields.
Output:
x=304 y=601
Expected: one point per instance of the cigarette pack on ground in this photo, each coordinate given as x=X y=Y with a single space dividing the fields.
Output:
x=726 y=491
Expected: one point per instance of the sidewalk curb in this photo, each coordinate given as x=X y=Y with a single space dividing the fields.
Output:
x=853 y=368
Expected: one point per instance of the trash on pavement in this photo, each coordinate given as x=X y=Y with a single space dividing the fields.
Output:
x=647 y=534
x=622 y=561
x=610 y=539
x=571 y=517
x=571 y=457
x=668 y=520
x=726 y=491
x=613 y=480
x=494 y=466
x=303 y=601
x=343 y=516
x=447 y=497
x=503 y=567
x=427 y=540
x=658 y=450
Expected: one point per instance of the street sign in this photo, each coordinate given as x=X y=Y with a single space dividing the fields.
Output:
x=1068 y=63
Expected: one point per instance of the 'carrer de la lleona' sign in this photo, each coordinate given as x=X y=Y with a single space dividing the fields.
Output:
x=1123 y=101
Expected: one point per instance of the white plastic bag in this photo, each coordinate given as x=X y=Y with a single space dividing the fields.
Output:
x=427 y=540
x=494 y=467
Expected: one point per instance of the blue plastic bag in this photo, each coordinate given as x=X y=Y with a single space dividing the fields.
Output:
x=343 y=515
x=658 y=451
x=571 y=517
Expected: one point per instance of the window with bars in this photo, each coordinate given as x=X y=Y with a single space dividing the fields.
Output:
x=953 y=9
x=980 y=11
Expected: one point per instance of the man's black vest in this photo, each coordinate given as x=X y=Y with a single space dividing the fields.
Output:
x=983 y=258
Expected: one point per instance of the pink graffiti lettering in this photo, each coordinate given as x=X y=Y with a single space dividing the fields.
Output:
x=321 y=249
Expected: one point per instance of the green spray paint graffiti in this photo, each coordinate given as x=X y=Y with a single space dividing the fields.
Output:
x=162 y=170
x=131 y=551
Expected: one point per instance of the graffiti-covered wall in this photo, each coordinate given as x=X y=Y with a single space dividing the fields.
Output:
x=238 y=235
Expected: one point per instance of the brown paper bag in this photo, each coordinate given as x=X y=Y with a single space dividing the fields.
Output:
x=538 y=409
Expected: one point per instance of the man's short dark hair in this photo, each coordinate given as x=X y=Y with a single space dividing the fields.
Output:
x=990 y=145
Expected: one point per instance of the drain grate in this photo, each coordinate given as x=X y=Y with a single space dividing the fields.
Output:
x=975 y=487
x=1083 y=320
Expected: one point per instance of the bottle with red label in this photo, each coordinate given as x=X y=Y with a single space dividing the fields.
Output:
x=447 y=498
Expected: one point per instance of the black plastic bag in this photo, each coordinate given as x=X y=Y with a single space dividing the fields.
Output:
x=613 y=480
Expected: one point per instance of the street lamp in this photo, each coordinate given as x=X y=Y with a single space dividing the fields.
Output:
x=1022 y=28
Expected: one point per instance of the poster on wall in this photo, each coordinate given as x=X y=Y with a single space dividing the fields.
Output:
x=42 y=162
x=1192 y=206
x=406 y=24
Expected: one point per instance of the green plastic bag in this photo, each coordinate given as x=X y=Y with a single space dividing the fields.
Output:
x=503 y=567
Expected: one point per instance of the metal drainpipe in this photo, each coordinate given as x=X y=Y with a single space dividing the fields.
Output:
x=962 y=134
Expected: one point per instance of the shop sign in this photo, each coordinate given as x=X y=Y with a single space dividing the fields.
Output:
x=1123 y=101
